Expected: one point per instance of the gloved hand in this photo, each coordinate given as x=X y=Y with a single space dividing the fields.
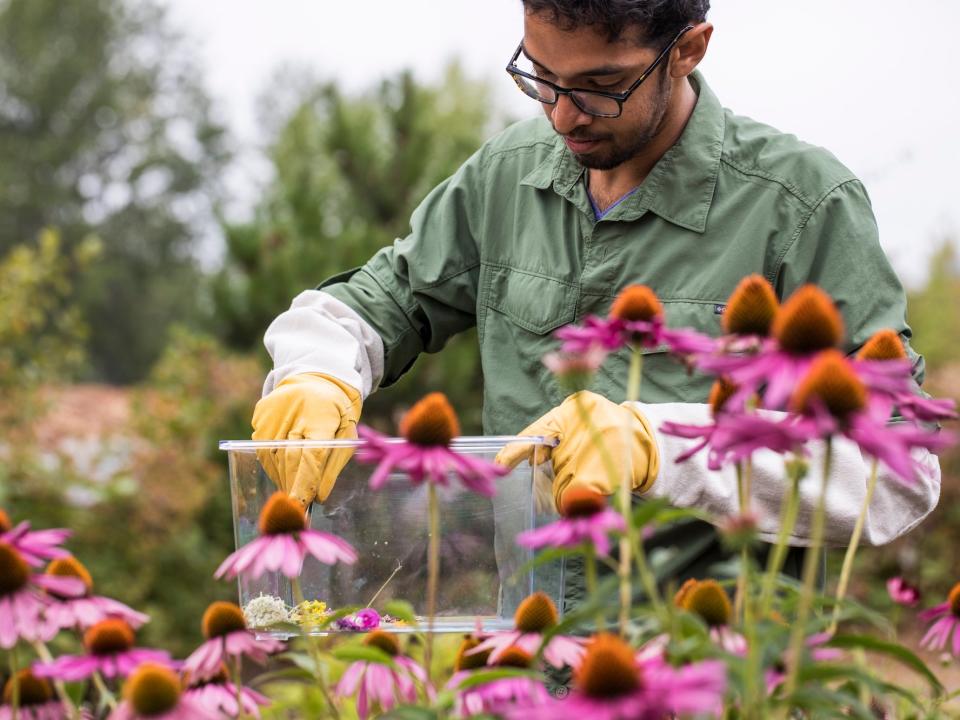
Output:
x=308 y=406
x=577 y=459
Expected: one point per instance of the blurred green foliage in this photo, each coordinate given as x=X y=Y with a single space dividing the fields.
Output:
x=110 y=137
x=41 y=333
x=928 y=556
x=103 y=126
x=349 y=171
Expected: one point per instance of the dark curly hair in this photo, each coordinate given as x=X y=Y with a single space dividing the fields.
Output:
x=657 y=20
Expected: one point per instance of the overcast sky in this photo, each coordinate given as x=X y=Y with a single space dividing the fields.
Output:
x=874 y=82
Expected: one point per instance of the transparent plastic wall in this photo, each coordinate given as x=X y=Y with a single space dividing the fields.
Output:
x=484 y=573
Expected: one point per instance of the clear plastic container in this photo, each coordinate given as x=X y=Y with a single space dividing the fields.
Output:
x=484 y=574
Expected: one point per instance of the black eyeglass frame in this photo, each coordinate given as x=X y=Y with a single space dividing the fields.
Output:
x=620 y=98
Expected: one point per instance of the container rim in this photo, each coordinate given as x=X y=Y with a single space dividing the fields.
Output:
x=464 y=442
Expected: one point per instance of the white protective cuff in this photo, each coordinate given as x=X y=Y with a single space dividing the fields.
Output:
x=321 y=334
x=896 y=508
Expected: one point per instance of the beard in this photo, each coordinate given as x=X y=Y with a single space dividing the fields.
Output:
x=618 y=150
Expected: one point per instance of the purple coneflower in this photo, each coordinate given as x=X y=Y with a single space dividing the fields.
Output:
x=709 y=601
x=834 y=400
x=424 y=453
x=110 y=651
x=217 y=695
x=382 y=686
x=500 y=695
x=902 y=592
x=946 y=622
x=882 y=363
x=615 y=683
x=806 y=324
x=35 y=546
x=535 y=615
x=284 y=542
x=36 y=699
x=636 y=319
x=153 y=693
x=586 y=517
x=464 y=665
x=227 y=639
x=735 y=436
x=750 y=309
x=88 y=609
x=747 y=322
x=24 y=598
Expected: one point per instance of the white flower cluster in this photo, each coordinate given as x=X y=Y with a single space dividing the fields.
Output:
x=266 y=610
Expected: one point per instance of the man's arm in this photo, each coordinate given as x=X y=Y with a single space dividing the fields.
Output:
x=835 y=246
x=896 y=508
x=367 y=326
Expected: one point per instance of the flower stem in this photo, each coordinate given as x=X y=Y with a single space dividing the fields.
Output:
x=14 y=684
x=788 y=519
x=433 y=572
x=738 y=601
x=238 y=687
x=811 y=563
x=314 y=649
x=634 y=538
x=634 y=376
x=852 y=547
x=44 y=654
x=106 y=696
x=590 y=566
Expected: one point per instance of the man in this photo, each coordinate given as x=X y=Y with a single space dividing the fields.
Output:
x=637 y=175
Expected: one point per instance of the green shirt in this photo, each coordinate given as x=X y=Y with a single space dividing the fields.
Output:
x=510 y=243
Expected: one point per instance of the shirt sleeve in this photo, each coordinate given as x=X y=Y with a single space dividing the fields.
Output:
x=422 y=290
x=320 y=334
x=896 y=508
x=836 y=246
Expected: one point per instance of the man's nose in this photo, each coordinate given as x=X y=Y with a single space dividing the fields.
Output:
x=566 y=116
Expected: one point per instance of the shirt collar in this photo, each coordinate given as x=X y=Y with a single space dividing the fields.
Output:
x=679 y=188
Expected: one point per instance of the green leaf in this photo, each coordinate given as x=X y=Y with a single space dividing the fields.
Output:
x=585 y=611
x=362 y=653
x=543 y=557
x=301 y=660
x=482 y=677
x=648 y=510
x=291 y=673
x=893 y=650
x=286 y=629
x=401 y=610
x=824 y=702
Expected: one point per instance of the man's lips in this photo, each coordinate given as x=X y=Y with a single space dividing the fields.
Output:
x=581 y=145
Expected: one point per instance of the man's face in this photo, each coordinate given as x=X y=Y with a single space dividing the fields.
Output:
x=585 y=59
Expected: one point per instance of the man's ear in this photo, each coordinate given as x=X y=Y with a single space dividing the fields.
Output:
x=690 y=50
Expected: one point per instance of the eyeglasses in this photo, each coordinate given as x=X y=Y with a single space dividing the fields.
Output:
x=592 y=102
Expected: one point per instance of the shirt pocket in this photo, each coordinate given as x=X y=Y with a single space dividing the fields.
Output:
x=519 y=313
x=536 y=303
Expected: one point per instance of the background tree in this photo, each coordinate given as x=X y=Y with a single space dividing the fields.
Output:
x=349 y=170
x=935 y=309
x=103 y=126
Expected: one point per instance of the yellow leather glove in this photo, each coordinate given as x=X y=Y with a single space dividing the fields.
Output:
x=308 y=406
x=577 y=460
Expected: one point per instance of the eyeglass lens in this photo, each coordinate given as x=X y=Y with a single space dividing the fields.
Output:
x=588 y=102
